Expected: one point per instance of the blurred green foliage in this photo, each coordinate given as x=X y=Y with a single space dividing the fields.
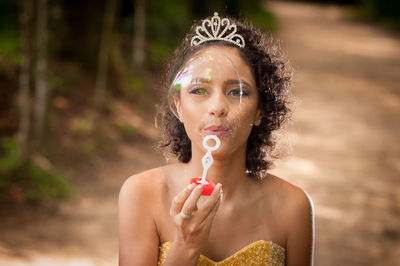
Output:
x=9 y=43
x=10 y=161
x=81 y=126
x=64 y=79
x=73 y=44
x=9 y=29
x=75 y=26
x=127 y=131
x=259 y=15
x=87 y=149
x=33 y=181
x=43 y=185
x=386 y=12
x=166 y=25
x=74 y=136
x=137 y=84
x=9 y=38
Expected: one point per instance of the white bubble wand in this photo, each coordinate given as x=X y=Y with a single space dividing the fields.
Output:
x=207 y=159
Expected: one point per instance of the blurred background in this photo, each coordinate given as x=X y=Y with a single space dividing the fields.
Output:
x=79 y=81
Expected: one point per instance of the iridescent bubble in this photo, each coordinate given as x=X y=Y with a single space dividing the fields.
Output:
x=209 y=70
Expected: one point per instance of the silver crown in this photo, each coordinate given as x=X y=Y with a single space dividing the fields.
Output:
x=218 y=29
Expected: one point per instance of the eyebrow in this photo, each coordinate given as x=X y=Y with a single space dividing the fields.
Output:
x=227 y=82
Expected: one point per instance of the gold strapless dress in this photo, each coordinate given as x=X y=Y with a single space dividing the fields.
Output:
x=260 y=252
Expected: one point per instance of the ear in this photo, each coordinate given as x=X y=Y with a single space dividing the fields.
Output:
x=178 y=107
x=257 y=120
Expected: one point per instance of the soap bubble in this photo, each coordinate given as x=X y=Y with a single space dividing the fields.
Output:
x=208 y=71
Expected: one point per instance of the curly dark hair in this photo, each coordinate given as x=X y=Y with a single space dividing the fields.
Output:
x=272 y=74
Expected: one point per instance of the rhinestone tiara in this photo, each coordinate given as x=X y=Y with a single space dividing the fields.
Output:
x=219 y=27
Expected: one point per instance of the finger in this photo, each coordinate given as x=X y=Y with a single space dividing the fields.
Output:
x=179 y=200
x=213 y=203
x=212 y=199
x=210 y=217
x=216 y=192
x=190 y=204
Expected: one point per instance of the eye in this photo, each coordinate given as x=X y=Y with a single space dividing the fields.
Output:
x=199 y=91
x=238 y=92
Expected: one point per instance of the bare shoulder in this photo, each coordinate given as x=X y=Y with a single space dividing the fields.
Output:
x=292 y=199
x=148 y=185
x=137 y=207
x=144 y=185
x=138 y=189
x=296 y=218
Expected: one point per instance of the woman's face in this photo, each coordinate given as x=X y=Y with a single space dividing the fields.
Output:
x=218 y=96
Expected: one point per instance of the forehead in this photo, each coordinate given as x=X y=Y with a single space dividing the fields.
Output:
x=220 y=62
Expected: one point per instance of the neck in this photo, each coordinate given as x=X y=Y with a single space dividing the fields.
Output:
x=229 y=171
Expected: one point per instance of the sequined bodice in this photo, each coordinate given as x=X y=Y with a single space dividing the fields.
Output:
x=260 y=252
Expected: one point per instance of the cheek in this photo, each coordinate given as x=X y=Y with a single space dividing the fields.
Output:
x=191 y=111
x=243 y=124
x=191 y=116
x=245 y=114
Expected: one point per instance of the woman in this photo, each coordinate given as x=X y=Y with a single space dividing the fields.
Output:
x=229 y=80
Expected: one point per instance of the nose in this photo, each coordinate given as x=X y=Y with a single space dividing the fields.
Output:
x=218 y=105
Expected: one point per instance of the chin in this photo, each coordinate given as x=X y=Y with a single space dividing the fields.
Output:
x=225 y=151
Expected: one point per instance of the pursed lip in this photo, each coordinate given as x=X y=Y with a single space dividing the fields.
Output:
x=216 y=130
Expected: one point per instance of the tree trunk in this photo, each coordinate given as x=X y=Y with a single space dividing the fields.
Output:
x=41 y=71
x=104 y=53
x=24 y=78
x=119 y=66
x=140 y=33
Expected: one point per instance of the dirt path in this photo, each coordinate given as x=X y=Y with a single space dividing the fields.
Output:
x=346 y=149
x=346 y=154
x=83 y=231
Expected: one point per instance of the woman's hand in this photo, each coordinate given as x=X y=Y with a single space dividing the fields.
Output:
x=192 y=220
